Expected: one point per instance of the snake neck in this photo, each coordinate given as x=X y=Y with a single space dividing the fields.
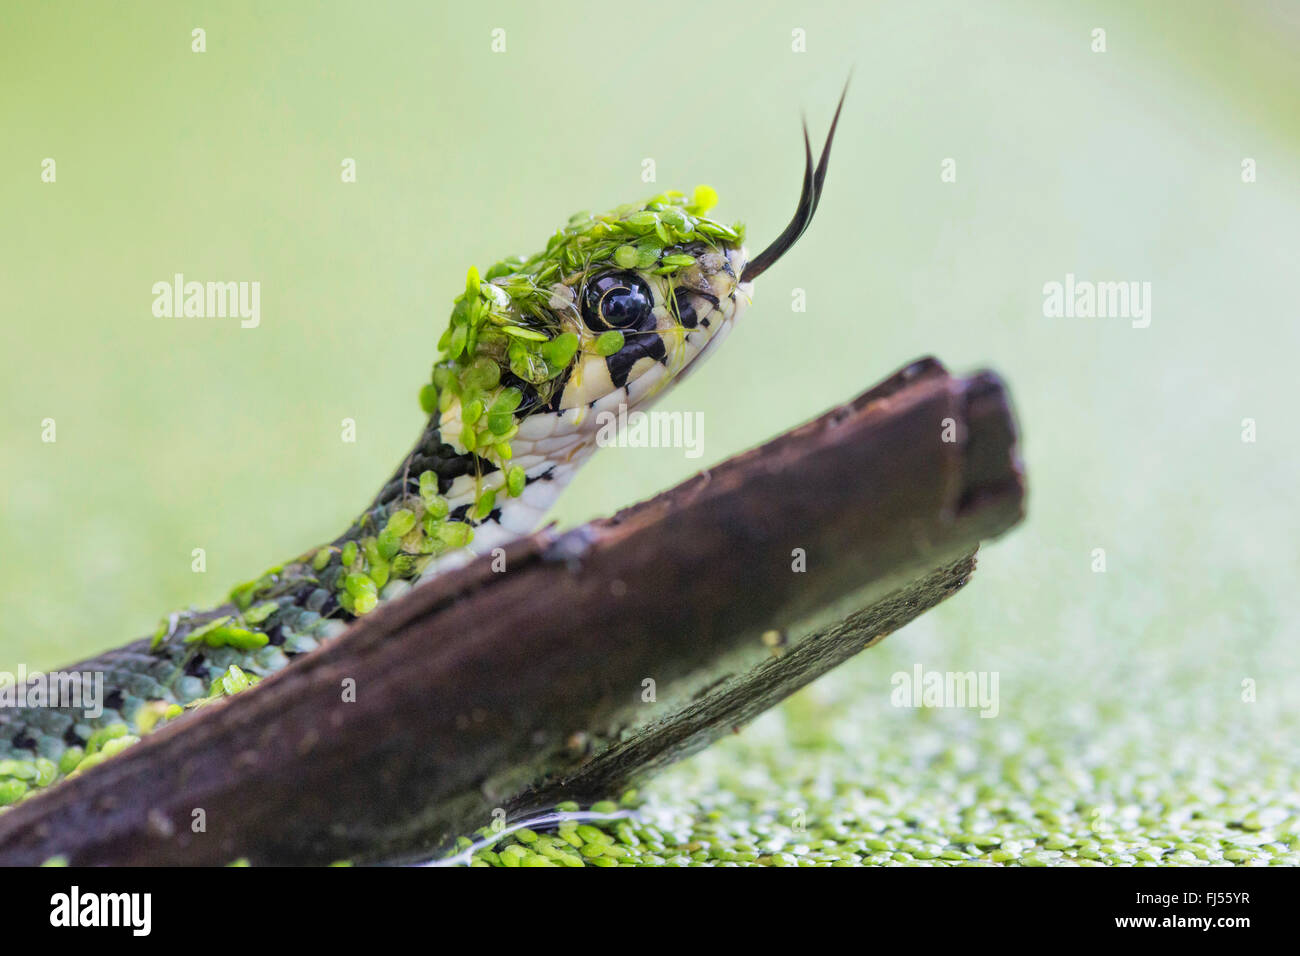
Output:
x=442 y=507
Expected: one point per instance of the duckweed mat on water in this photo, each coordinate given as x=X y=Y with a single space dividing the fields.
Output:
x=1129 y=762
x=962 y=819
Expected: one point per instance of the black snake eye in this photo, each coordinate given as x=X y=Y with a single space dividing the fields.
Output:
x=618 y=300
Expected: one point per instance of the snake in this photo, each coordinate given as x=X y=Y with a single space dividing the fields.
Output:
x=538 y=354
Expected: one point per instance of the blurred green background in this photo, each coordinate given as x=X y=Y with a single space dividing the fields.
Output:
x=1121 y=693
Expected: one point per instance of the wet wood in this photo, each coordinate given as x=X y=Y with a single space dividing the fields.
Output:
x=598 y=657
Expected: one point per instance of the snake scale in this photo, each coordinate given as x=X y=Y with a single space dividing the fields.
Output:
x=615 y=308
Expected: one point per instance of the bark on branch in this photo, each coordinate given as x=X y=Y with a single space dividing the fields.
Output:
x=517 y=690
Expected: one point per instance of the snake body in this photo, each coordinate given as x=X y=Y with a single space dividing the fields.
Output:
x=616 y=308
x=538 y=356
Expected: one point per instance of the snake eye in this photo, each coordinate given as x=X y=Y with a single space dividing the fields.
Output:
x=618 y=300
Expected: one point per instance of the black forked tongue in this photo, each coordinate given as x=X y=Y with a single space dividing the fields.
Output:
x=808 y=199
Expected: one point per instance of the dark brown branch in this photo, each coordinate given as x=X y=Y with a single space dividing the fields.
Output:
x=516 y=690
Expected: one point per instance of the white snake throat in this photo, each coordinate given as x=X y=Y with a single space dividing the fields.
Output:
x=615 y=309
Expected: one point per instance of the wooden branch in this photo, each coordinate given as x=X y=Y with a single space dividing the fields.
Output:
x=516 y=690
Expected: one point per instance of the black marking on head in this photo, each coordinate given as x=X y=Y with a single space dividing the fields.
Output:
x=809 y=197
x=685 y=307
x=532 y=401
x=643 y=345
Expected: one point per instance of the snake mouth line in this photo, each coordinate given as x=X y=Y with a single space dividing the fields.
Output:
x=809 y=197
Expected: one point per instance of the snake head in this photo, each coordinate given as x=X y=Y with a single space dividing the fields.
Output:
x=615 y=308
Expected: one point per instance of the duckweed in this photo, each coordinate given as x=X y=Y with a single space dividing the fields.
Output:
x=939 y=790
